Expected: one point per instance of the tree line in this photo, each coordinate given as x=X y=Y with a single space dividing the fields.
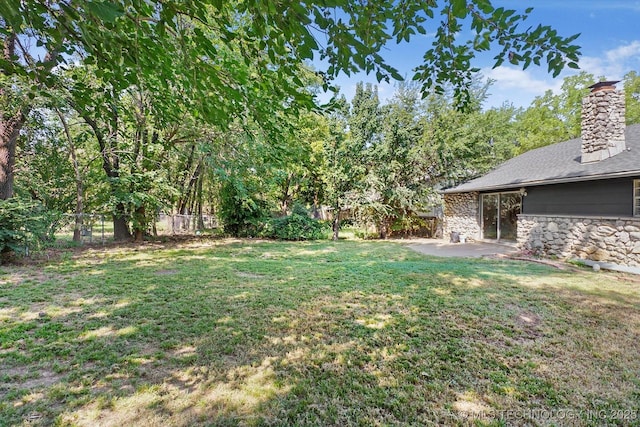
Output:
x=133 y=107
x=381 y=162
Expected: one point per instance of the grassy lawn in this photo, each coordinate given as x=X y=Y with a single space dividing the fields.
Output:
x=348 y=333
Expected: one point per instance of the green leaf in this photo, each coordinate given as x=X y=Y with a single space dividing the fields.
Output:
x=459 y=8
x=105 y=11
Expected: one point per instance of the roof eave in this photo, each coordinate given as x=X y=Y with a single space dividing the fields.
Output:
x=509 y=186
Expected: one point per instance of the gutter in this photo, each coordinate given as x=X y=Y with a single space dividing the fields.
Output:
x=543 y=182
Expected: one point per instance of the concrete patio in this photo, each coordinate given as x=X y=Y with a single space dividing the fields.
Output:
x=442 y=248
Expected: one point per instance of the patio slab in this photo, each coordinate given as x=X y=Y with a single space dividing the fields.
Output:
x=443 y=248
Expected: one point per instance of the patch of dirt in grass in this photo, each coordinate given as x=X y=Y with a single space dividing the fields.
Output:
x=529 y=324
x=193 y=395
x=45 y=379
x=166 y=272
x=249 y=275
x=28 y=378
x=20 y=275
x=56 y=254
x=527 y=318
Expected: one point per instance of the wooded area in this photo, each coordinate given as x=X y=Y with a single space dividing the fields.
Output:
x=206 y=107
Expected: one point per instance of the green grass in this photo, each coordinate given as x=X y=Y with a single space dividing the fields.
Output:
x=348 y=333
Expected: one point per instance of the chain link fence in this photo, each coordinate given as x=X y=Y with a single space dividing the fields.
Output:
x=93 y=228
x=185 y=224
x=98 y=228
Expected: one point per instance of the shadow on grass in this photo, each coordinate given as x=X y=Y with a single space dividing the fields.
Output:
x=264 y=333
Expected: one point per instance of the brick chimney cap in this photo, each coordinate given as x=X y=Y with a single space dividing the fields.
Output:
x=608 y=85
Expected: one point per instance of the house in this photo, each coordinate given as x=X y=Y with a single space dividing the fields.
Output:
x=574 y=199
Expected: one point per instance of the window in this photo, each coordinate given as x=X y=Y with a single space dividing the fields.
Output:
x=636 y=197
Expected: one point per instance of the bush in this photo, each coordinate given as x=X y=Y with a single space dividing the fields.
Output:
x=24 y=225
x=414 y=226
x=297 y=226
x=241 y=214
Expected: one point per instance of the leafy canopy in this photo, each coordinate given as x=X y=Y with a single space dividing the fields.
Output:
x=130 y=38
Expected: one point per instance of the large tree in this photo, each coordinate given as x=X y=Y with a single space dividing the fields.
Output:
x=344 y=166
x=128 y=40
x=397 y=180
x=554 y=117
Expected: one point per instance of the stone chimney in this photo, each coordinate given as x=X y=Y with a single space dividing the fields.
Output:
x=603 y=122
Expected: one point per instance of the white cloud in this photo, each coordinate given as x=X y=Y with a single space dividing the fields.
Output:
x=623 y=53
x=614 y=63
x=521 y=87
x=516 y=86
x=519 y=80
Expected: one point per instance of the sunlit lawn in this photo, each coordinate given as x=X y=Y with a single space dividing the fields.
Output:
x=348 y=333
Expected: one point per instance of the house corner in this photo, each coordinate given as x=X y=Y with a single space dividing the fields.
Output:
x=461 y=215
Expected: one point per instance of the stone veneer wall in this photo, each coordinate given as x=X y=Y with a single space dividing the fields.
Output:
x=603 y=125
x=613 y=240
x=461 y=215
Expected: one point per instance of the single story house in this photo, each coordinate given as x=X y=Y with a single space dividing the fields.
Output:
x=574 y=199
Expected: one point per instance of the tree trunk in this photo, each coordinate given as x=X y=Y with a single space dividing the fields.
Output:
x=77 y=237
x=139 y=227
x=120 y=224
x=9 y=132
x=199 y=205
x=10 y=126
x=384 y=228
x=79 y=208
x=110 y=165
x=184 y=190
x=315 y=211
x=336 y=220
x=285 y=196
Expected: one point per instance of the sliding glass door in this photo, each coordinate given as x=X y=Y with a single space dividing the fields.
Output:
x=490 y=216
x=500 y=215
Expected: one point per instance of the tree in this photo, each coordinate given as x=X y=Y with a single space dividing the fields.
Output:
x=189 y=46
x=297 y=173
x=365 y=132
x=243 y=166
x=77 y=173
x=553 y=118
x=343 y=159
x=462 y=145
x=631 y=83
x=397 y=181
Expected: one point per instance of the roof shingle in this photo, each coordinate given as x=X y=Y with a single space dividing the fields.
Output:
x=557 y=163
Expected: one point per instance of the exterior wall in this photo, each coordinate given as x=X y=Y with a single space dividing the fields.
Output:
x=461 y=214
x=607 y=239
x=606 y=197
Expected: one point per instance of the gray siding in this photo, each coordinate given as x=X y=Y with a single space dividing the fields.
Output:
x=611 y=197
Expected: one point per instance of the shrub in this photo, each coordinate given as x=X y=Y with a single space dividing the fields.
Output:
x=241 y=214
x=413 y=225
x=297 y=226
x=24 y=225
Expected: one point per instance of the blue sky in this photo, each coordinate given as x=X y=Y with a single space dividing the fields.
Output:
x=610 y=41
